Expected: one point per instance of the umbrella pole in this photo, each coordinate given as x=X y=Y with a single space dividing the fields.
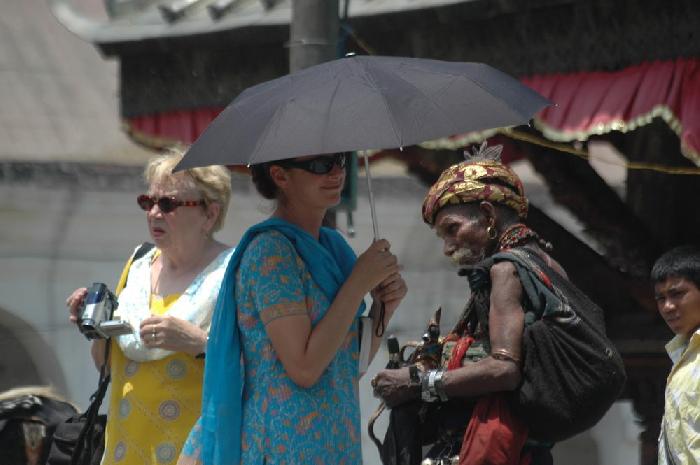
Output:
x=381 y=323
x=375 y=226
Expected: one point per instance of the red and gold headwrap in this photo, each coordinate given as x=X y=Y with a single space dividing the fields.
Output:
x=475 y=180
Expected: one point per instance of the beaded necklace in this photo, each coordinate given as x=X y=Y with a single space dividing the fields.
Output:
x=518 y=234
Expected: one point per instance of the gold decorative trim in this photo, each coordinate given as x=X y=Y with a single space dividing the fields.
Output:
x=566 y=148
x=558 y=135
x=462 y=140
x=658 y=111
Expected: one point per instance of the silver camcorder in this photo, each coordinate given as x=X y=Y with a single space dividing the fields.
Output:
x=95 y=316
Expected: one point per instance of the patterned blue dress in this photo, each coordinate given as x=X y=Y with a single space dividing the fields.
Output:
x=283 y=423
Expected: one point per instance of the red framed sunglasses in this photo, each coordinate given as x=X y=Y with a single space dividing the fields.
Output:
x=165 y=204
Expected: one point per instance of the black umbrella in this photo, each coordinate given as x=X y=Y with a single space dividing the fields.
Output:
x=361 y=103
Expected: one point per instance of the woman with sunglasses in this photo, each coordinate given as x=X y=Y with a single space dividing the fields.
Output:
x=168 y=300
x=288 y=311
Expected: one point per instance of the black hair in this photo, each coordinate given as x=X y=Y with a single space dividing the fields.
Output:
x=263 y=181
x=682 y=262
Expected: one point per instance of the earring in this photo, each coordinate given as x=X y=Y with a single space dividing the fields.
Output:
x=491 y=233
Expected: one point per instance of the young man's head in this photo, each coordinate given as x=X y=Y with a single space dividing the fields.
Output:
x=676 y=279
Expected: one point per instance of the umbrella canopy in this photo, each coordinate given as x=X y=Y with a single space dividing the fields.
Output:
x=361 y=103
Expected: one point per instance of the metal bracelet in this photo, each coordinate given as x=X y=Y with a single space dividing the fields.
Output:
x=440 y=386
x=431 y=382
x=505 y=355
x=426 y=393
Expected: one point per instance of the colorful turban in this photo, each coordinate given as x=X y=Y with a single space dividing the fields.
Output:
x=475 y=180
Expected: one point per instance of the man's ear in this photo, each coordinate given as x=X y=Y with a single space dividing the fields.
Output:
x=489 y=211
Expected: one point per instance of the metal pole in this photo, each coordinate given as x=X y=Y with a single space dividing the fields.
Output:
x=313 y=39
x=313 y=33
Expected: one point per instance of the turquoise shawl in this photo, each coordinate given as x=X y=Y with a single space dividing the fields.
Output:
x=329 y=261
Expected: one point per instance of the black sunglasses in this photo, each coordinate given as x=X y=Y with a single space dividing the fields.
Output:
x=165 y=204
x=317 y=165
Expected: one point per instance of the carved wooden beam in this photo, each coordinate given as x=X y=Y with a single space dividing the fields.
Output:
x=667 y=204
x=626 y=240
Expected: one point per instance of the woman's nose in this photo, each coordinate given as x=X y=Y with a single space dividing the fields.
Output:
x=154 y=211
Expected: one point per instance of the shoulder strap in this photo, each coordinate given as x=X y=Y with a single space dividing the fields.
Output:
x=142 y=250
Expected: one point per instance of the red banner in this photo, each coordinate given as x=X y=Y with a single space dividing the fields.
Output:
x=586 y=103
x=597 y=103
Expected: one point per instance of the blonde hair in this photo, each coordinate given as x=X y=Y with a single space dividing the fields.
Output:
x=212 y=182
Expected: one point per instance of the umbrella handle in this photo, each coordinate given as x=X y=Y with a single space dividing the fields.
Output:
x=381 y=324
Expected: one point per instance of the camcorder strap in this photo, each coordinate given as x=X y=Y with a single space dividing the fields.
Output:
x=83 y=452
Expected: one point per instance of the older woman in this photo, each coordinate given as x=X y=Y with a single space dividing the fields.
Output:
x=477 y=208
x=296 y=290
x=169 y=298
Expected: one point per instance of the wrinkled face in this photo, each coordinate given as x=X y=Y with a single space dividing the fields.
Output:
x=463 y=233
x=678 y=302
x=182 y=225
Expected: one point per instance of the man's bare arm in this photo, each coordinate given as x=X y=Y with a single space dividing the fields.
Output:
x=501 y=370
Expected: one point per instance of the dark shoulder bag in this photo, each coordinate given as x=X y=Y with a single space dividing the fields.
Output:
x=571 y=371
x=80 y=440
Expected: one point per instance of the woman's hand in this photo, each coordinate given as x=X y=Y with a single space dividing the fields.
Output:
x=390 y=292
x=74 y=302
x=374 y=266
x=394 y=387
x=170 y=333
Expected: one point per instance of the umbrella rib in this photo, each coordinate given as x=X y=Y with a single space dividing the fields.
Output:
x=266 y=130
x=386 y=105
x=498 y=100
x=327 y=120
x=462 y=76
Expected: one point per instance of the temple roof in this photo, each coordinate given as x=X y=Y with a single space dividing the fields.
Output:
x=139 y=20
x=59 y=97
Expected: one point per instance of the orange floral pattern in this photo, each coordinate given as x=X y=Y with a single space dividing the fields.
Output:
x=284 y=423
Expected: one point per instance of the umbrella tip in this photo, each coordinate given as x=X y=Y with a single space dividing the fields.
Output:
x=179 y=166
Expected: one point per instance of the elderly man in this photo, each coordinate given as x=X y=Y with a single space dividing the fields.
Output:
x=491 y=388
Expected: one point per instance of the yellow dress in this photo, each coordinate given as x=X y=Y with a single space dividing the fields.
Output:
x=153 y=405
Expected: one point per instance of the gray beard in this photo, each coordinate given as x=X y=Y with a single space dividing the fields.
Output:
x=466 y=256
